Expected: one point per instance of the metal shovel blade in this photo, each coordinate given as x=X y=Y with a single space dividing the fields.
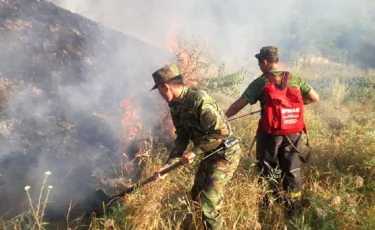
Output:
x=98 y=202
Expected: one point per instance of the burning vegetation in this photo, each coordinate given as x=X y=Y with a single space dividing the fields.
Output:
x=75 y=107
x=130 y=122
x=70 y=104
x=65 y=84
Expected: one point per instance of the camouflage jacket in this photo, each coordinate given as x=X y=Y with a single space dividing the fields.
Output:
x=197 y=117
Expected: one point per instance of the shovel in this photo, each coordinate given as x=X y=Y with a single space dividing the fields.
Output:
x=99 y=201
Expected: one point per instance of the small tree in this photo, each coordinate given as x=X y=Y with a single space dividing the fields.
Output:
x=199 y=70
x=194 y=59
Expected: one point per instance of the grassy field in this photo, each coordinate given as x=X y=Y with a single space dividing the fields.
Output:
x=338 y=182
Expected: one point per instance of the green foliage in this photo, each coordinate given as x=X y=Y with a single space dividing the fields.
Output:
x=225 y=83
x=362 y=89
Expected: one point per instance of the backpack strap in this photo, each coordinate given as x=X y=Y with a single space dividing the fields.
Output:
x=307 y=136
x=306 y=157
x=284 y=79
x=303 y=157
x=270 y=77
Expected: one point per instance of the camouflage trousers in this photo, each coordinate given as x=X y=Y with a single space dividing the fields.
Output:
x=210 y=180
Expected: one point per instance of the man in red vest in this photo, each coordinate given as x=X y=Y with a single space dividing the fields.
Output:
x=282 y=97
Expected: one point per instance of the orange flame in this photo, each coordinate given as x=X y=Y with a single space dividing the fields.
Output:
x=37 y=91
x=130 y=121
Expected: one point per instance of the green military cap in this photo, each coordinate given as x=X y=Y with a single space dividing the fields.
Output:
x=169 y=73
x=268 y=52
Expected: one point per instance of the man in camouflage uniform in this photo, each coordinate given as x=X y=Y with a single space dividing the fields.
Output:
x=197 y=117
x=277 y=150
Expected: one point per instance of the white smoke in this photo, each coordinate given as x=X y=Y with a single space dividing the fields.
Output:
x=234 y=29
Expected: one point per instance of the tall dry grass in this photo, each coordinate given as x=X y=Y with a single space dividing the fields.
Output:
x=338 y=182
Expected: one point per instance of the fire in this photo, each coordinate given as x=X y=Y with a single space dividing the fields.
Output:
x=37 y=91
x=131 y=124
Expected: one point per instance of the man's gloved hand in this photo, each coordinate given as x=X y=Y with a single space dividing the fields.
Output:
x=188 y=158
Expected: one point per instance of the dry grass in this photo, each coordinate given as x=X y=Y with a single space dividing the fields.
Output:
x=338 y=182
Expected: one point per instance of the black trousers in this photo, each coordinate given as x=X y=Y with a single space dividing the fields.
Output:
x=275 y=151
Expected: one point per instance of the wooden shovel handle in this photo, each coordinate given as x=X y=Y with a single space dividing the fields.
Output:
x=170 y=168
x=148 y=180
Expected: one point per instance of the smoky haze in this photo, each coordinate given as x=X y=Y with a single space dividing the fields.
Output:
x=63 y=79
x=84 y=70
x=237 y=29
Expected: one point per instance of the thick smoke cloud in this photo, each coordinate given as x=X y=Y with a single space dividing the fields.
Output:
x=62 y=110
x=237 y=29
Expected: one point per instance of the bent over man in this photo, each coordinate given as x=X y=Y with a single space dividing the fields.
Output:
x=197 y=118
x=282 y=97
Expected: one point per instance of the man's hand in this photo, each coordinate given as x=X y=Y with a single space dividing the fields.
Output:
x=157 y=175
x=188 y=158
